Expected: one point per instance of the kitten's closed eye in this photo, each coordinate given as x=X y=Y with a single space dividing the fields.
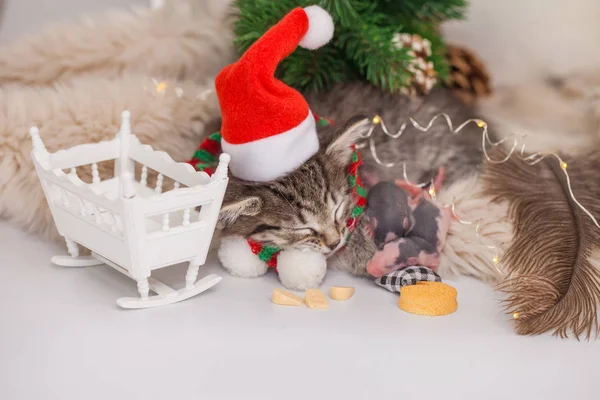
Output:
x=264 y=227
x=309 y=231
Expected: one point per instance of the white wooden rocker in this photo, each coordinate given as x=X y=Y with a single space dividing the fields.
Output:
x=126 y=224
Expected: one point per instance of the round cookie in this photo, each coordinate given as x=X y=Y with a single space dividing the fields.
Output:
x=428 y=298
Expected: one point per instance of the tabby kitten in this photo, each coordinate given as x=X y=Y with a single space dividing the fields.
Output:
x=308 y=208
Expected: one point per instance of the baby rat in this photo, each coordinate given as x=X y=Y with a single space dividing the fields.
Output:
x=389 y=213
x=406 y=231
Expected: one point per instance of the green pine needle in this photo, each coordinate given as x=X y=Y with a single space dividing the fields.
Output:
x=362 y=46
x=424 y=10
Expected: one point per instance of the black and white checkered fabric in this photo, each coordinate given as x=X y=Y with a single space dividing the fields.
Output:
x=406 y=276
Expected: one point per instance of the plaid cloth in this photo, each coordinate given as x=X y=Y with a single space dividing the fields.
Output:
x=406 y=276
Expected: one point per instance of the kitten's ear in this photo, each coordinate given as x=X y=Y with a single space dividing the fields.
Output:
x=340 y=148
x=247 y=206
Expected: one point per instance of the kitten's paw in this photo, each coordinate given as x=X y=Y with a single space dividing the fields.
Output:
x=239 y=260
x=301 y=270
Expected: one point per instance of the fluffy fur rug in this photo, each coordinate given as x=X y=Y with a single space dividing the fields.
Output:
x=73 y=80
x=187 y=39
x=554 y=114
x=465 y=251
x=88 y=110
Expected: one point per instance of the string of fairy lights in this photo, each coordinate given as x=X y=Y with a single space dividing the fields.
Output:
x=516 y=149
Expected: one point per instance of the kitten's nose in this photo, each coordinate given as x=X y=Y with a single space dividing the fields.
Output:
x=335 y=244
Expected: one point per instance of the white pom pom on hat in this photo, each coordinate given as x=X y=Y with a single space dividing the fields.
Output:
x=320 y=28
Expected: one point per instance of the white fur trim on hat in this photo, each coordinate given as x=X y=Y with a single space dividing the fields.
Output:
x=274 y=156
x=320 y=28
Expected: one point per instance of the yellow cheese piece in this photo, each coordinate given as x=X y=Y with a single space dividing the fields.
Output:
x=428 y=298
x=341 y=292
x=314 y=298
x=284 y=298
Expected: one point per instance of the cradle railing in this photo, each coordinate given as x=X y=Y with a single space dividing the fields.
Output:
x=126 y=223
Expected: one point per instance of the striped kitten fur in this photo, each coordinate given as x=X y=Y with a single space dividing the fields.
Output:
x=308 y=208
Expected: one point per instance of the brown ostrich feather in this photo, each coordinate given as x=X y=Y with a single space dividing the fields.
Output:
x=550 y=280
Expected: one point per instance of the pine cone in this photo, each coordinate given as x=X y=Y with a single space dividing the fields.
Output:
x=424 y=75
x=469 y=78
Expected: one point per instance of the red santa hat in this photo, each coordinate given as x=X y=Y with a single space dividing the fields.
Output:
x=267 y=127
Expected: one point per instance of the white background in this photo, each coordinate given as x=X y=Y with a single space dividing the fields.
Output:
x=62 y=336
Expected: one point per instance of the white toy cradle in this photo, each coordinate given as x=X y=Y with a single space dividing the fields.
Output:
x=126 y=224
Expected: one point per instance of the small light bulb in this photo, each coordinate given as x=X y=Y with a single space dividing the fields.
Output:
x=432 y=191
x=376 y=119
x=563 y=165
x=515 y=315
x=161 y=87
x=496 y=260
x=481 y=123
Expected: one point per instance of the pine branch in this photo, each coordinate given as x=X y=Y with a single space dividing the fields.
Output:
x=362 y=43
x=424 y=10
x=347 y=13
x=378 y=60
x=257 y=16
x=304 y=70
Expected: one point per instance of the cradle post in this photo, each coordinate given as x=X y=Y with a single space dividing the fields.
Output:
x=165 y=222
x=221 y=172
x=36 y=140
x=208 y=214
x=159 y=183
x=144 y=175
x=95 y=173
x=72 y=248
x=126 y=189
x=192 y=274
x=186 y=217
x=144 y=288
x=38 y=147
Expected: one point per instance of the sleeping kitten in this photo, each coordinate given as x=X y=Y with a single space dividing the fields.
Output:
x=309 y=207
x=306 y=209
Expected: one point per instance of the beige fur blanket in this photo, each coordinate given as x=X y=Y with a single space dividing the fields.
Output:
x=73 y=80
x=88 y=110
x=187 y=39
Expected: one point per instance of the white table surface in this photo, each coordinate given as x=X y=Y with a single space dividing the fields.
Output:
x=63 y=337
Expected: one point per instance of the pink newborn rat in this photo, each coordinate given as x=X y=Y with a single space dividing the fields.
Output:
x=406 y=231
